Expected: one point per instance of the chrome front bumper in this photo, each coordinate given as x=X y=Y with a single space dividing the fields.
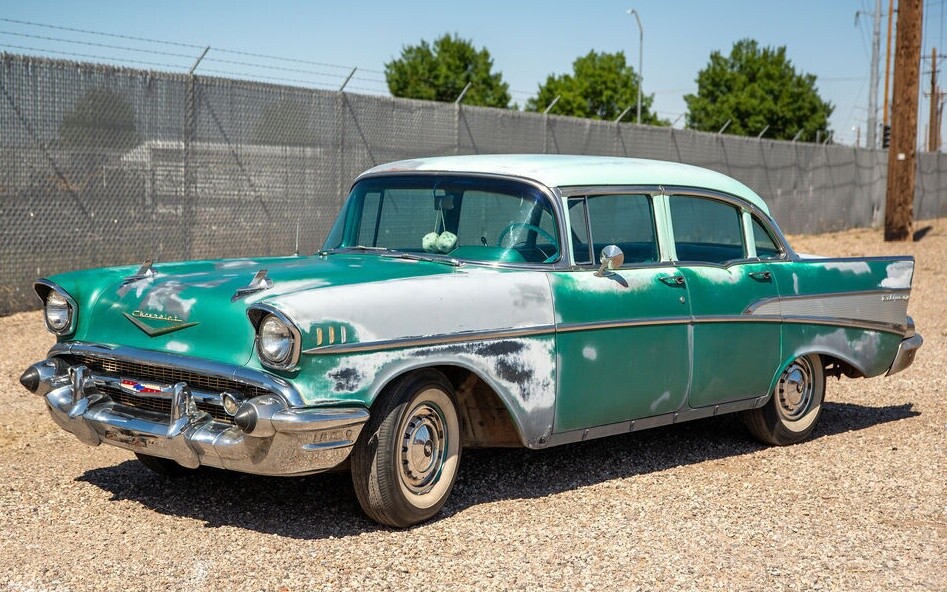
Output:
x=278 y=440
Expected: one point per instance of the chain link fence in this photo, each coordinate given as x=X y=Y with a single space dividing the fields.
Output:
x=102 y=165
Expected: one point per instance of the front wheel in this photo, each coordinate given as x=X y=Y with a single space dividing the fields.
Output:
x=793 y=410
x=406 y=459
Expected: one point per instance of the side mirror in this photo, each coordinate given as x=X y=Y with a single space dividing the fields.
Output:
x=611 y=258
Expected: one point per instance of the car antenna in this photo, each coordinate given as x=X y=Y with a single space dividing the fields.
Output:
x=296 y=246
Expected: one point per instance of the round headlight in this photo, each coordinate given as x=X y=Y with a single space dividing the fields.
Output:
x=275 y=341
x=58 y=312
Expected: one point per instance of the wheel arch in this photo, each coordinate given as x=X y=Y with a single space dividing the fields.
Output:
x=844 y=363
x=486 y=410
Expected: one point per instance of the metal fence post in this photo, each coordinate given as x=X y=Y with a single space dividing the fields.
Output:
x=188 y=175
x=190 y=130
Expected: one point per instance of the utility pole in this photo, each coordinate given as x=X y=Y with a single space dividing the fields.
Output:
x=873 y=84
x=933 y=130
x=902 y=157
x=884 y=110
x=634 y=13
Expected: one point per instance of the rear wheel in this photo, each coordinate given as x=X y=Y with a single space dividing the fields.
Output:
x=163 y=466
x=793 y=410
x=406 y=459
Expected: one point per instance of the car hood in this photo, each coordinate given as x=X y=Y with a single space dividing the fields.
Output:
x=190 y=308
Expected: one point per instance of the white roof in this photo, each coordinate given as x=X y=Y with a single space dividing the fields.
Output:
x=560 y=170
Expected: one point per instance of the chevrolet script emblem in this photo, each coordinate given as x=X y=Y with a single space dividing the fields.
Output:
x=137 y=317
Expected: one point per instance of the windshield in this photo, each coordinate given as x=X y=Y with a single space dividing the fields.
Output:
x=477 y=219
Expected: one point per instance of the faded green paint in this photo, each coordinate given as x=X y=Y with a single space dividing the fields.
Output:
x=874 y=349
x=732 y=360
x=609 y=375
x=829 y=276
x=200 y=292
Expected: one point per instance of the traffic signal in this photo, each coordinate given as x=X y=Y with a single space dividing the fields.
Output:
x=885 y=136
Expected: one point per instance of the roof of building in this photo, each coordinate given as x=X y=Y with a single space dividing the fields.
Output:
x=560 y=170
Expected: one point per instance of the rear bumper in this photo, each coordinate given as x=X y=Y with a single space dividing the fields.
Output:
x=906 y=351
x=281 y=440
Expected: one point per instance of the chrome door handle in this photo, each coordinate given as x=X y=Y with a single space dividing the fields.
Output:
x=763 y=276
x=673 y=280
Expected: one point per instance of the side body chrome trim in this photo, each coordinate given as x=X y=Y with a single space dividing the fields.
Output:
x=469 y=336
x=823 y=296
x=884 y=309
x=474 y=336
x=196 y=365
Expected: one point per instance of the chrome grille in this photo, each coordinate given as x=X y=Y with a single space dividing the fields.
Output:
x=160 y=405
x=167 y=375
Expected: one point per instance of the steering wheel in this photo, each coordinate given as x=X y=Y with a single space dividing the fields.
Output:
x=538 y=230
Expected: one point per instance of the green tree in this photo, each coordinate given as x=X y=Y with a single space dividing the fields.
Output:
x=102 y=118
x=601 y=86
x=440 y=71
x=757 y=87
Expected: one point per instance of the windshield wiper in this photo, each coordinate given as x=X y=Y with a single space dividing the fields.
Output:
x=413 y=257
x=396 y=254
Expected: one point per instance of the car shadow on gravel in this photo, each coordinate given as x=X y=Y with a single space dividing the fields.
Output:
x=324 y=506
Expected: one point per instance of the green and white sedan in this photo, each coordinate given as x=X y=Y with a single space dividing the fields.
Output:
x=471 y=301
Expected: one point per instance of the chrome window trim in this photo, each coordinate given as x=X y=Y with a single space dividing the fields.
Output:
x=740 y=209
x=654 y=191
x=256 y=313
x=767 y=220
x=551 y=193
x=249 y=376
x=778 y=240
x=38 y=285
x=655 y=228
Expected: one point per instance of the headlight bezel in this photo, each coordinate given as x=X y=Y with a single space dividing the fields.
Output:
x=259 y=315
x=43 y=289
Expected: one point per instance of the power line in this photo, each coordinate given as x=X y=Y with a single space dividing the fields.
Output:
x=93 y=44
x=115 y=35
x=85 y=55
x=179 y=44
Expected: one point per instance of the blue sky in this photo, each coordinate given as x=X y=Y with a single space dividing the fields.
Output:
x=528 y=40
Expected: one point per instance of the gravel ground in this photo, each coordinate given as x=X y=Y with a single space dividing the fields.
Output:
x=861 y=506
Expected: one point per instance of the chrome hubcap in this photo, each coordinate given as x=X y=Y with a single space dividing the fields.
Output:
x=423 y=448
x=795 y=390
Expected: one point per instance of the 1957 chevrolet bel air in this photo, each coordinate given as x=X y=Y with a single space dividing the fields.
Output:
x=471 y=301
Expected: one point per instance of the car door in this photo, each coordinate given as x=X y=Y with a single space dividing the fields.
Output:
x=735 y=356
x=621 y=337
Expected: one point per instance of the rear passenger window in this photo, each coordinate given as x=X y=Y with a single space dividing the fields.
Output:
x=626 y=221
x=706 y=230
x=765 y=245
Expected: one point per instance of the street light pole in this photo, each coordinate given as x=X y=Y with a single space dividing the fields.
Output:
x=640 y=58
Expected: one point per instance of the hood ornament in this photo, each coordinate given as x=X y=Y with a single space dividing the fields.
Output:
x=137 y=316
x=144 y=272
x=259 y=283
